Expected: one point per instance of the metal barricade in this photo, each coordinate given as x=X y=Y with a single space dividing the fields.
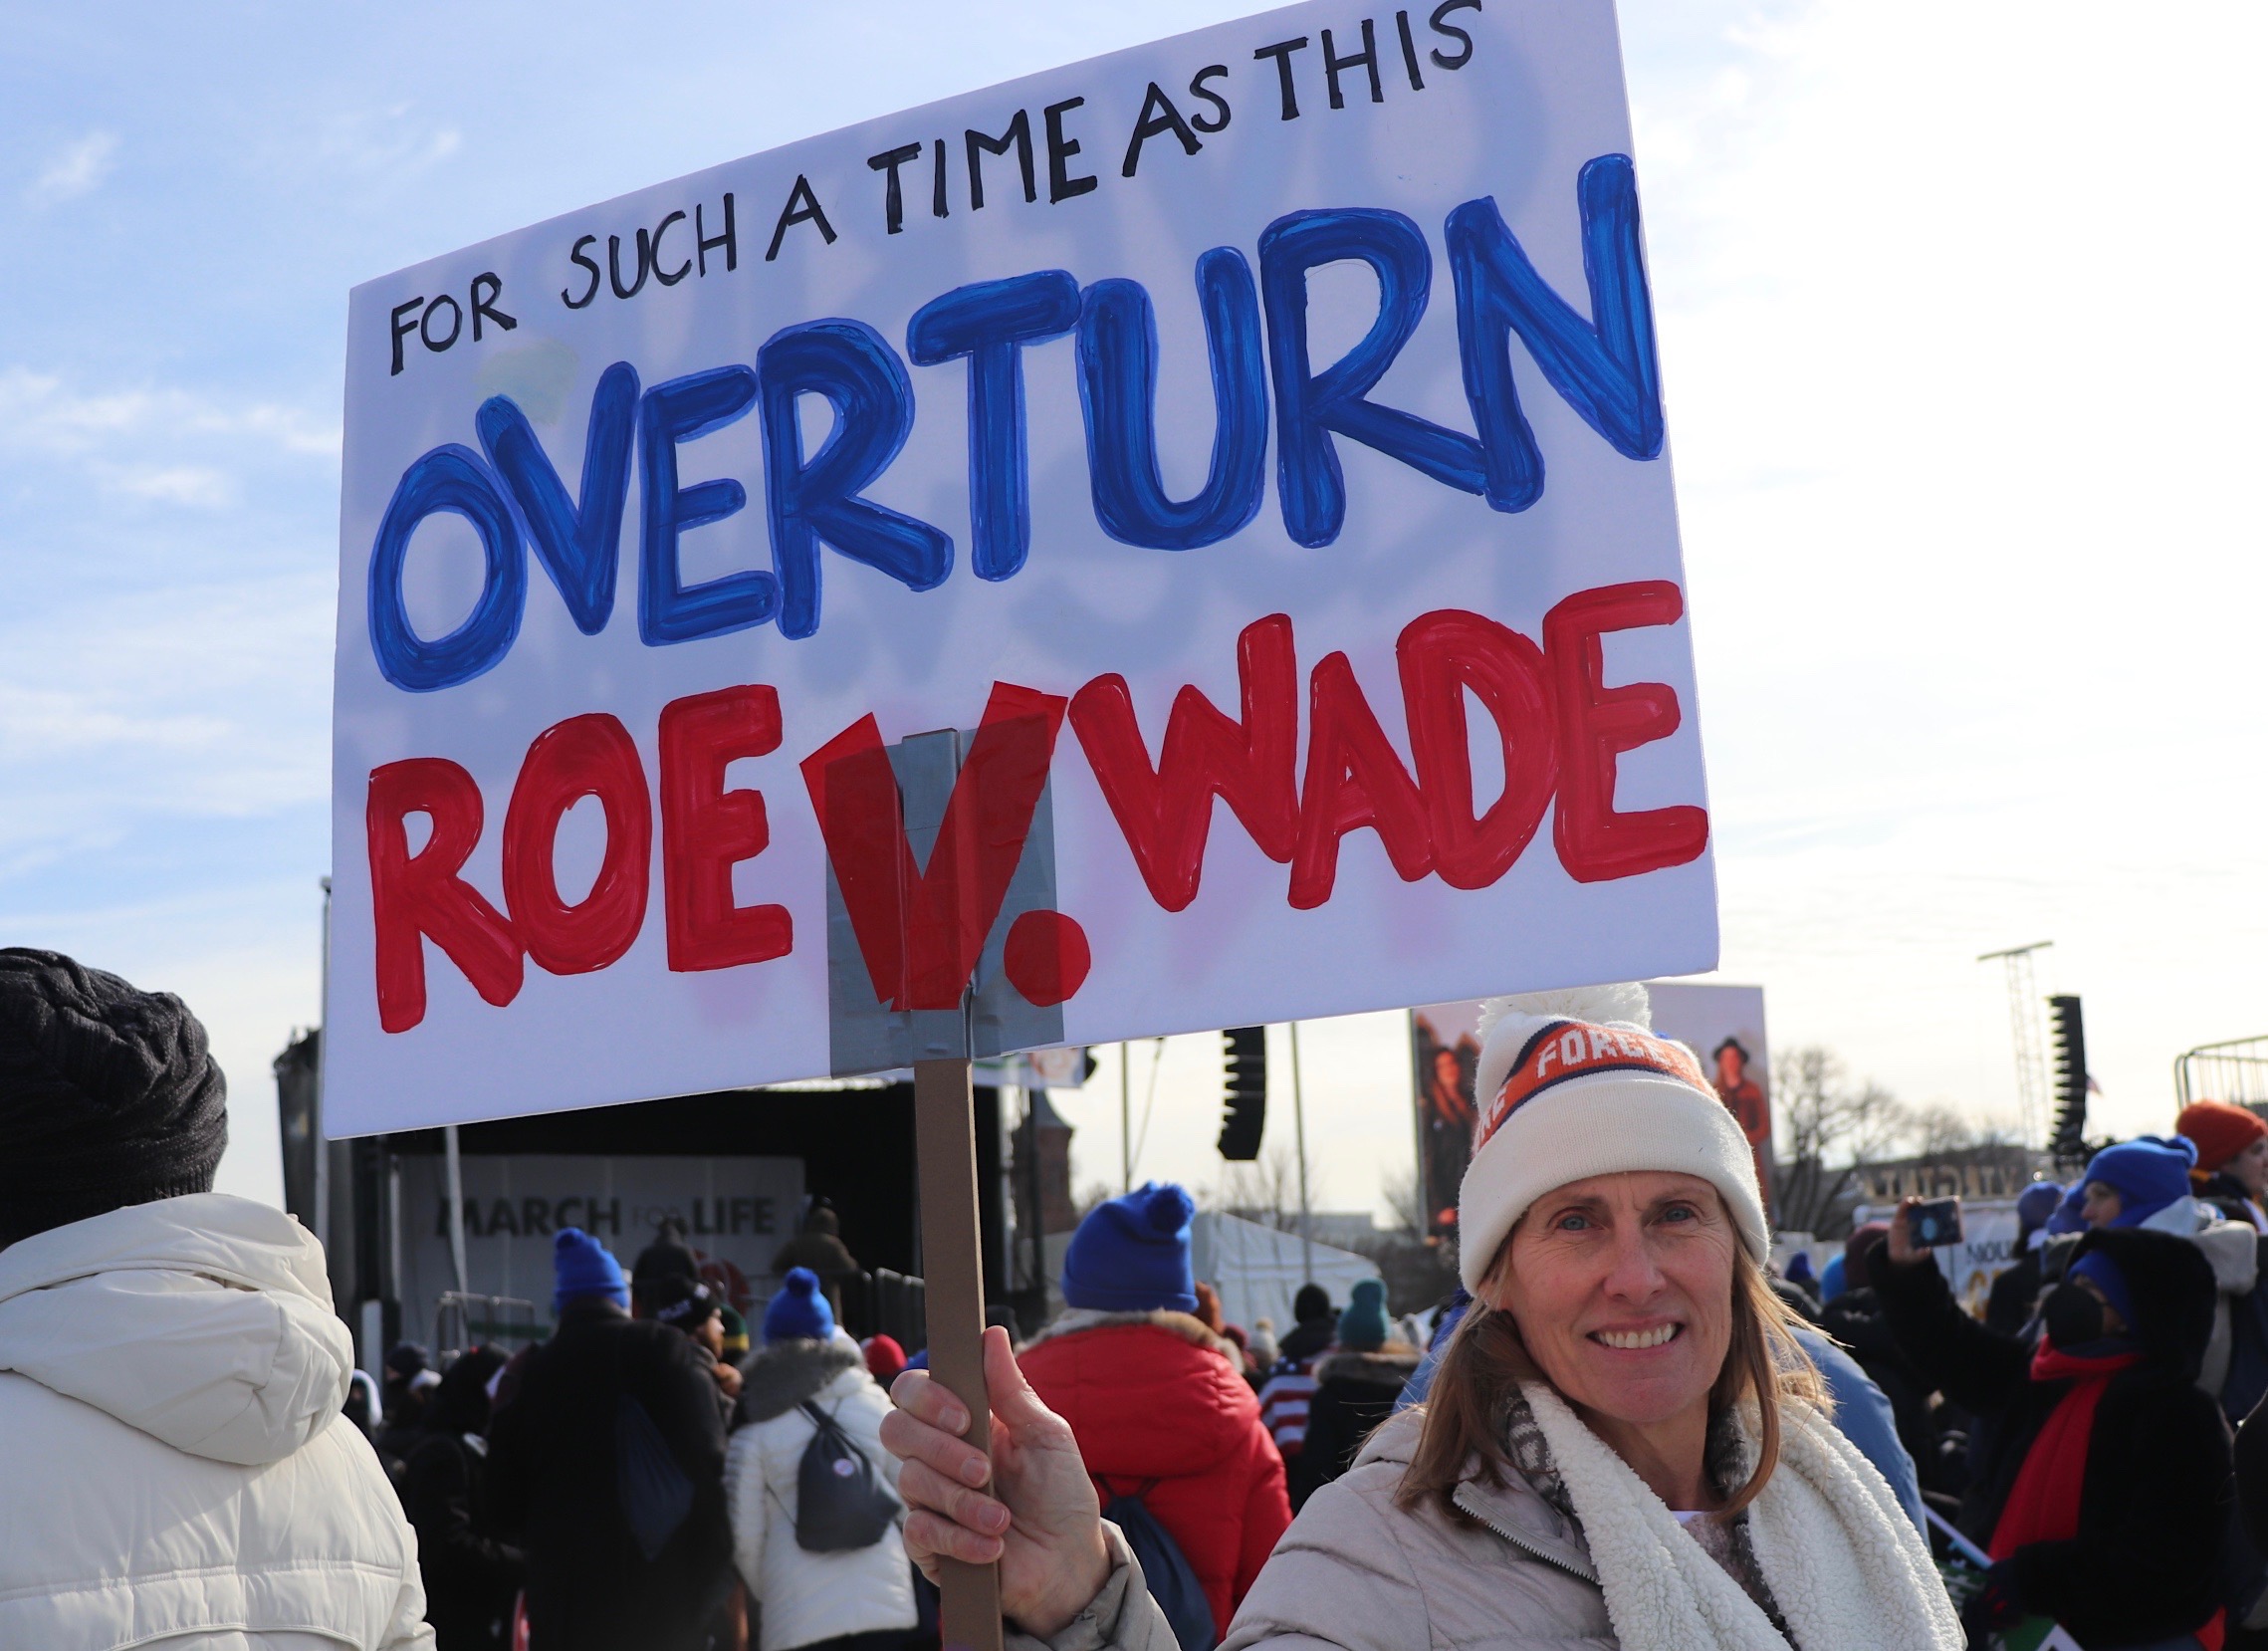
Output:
x=2235 y=1070
x=883 y=1303
x=463 y=1319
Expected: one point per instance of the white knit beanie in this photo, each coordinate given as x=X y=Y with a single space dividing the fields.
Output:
x=1573 y=1085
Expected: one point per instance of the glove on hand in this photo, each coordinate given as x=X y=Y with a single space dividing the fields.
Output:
x=1995 y=1606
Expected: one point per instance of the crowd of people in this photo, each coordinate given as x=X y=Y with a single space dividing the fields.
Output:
x=1624 y=1429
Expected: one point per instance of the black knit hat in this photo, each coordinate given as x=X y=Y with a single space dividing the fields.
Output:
x=108 y=1095
x=687 y=1303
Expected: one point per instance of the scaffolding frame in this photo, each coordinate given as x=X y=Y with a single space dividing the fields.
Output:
x=2024 y=1032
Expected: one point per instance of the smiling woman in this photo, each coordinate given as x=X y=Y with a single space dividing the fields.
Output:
x=1624 y=1446
x=1632 y=1297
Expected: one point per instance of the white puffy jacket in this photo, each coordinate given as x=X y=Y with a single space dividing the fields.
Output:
x=810 y=1596
x=174 y=1471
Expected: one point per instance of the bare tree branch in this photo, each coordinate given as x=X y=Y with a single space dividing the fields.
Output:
x=1405 y=1201
x=1828 y=1130
x=1265 y=1190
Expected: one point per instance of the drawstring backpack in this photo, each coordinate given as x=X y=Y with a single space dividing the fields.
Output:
x=841 y=1503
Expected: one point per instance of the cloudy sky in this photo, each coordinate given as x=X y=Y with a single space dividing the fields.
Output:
x=1957 y=307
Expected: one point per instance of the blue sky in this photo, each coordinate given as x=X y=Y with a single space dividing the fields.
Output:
x=1956 y=318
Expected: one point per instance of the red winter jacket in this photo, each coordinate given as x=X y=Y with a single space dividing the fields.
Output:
x=1158 y=1396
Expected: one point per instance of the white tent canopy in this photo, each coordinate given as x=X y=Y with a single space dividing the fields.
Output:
x=1258 y=1269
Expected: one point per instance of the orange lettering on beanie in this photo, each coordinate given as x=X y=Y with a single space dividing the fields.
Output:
x=1570 y=1049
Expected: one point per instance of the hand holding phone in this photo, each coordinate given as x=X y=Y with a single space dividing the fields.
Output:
x=1937 y=1223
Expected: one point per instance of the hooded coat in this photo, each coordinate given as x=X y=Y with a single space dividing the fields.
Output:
x=1354 y=1393
x=471 y=1577
x=569 y=1448
x=807 y=1596
x=1161 y=1411
x=1855 y=1320
x=2155 y=1502
x=173 y=1466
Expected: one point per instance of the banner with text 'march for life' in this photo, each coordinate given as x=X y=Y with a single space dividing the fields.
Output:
x=1179 y=541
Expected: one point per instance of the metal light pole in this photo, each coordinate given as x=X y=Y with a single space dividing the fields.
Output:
x=1125 y=1122
x=1299 y=1123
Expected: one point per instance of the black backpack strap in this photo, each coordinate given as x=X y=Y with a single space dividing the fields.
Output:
x=824 y=1421
x=1110 y=1493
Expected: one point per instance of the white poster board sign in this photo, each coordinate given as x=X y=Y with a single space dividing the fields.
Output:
x=801 y=618
x=736 y=1212
x=1725 y=1026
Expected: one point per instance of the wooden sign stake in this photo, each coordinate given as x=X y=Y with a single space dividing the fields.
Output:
x=944 y=1143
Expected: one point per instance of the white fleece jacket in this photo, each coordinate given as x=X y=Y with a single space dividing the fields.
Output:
x=173 y=1468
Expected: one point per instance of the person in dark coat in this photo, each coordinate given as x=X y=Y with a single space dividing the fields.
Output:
x=608 y=1463
x=1356 y=1386
x=1316 y=1324
x=2251 y=1456
x=2105 y=1498
x=692 y=1308
x=410 y=1380
x=820 y=1247
x=1856 y=1320
x=471 y=1577
x=2016 y=1292
x=1287 y=1385
x=662 y=1267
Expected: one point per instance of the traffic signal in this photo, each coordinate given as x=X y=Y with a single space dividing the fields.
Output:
x=2070 y=1078
x=1243 y=1112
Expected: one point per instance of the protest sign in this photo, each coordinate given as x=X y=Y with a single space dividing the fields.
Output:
x=1722 y=1025
x=925 y=466
x=1725 y=1026
x=799 y=618
x=1445 y=1050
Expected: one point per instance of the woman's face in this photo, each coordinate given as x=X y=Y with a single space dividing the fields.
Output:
x=2250 y=1167
x=1622 y=1287
x=2102 y=1204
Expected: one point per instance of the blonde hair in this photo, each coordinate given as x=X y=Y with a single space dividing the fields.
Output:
x=1486 y=1360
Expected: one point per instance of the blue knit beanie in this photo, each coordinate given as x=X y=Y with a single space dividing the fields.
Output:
x=1362 y=1326
x=799 y=1312
x=1831 y=1278
x=2149 y=1172
x=1131 y=1255
x=2037 y=1201
x=2110 y=1280
x=580 y=1266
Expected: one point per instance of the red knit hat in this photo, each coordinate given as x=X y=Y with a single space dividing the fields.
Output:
x=2221 y=1130
x=884 y=1357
